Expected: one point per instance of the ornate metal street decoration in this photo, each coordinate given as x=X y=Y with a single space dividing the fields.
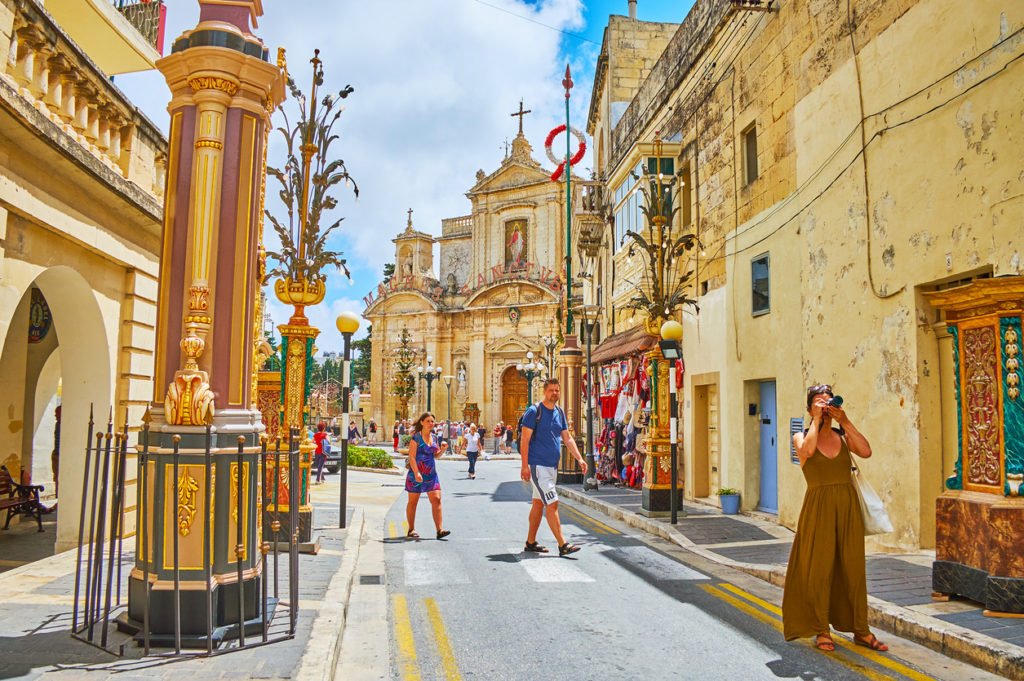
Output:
x=403 y=381
x=309 y=176
x=662 y=291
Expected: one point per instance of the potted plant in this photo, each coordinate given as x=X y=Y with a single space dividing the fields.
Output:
x=730 y=500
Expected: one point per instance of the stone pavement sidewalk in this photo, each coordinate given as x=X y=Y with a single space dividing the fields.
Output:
x=899 y=585
x=36 y=603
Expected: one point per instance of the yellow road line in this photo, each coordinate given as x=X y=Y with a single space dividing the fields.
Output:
x=444 y=648
x=777 y=625
x=407 y=665
x=392 y=530
x=589 y=522
x=874 y=656
x=611 y=530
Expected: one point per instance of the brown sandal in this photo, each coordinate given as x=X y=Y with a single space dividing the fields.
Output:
x=824 y=642
x=870 y=641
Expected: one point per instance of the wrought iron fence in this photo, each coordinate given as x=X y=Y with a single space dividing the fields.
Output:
x=146 y=16
x=98 y=585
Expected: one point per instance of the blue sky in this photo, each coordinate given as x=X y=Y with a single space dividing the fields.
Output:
x=435 y=83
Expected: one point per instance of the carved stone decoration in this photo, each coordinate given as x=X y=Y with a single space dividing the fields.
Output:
x=189 y=400
x=188 y=492
x=198 y=298
x=1012 y=376
x=212 y=83
x=981 y=403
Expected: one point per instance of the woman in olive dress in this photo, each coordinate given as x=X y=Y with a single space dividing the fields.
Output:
x=826 y=581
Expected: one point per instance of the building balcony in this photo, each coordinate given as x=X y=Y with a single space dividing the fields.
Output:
x=119 y=36
x=70 y=101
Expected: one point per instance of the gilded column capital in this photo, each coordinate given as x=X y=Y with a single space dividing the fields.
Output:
x=227 y=85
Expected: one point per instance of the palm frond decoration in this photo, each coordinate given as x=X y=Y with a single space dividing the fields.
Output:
x=666 y=274
x=304 y=253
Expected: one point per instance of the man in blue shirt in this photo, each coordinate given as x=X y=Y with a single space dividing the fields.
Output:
x=544 y=429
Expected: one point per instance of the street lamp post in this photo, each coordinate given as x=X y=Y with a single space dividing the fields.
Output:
x=529 y=371
x=428 y=374
x=348 y=324
x=589 y=314
x=549 y=342
x=671 y=334
x=448 y=425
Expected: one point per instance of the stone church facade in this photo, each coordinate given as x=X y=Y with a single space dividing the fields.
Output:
x=498 y=291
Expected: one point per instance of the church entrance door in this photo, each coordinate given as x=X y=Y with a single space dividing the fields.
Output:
x=513 y=396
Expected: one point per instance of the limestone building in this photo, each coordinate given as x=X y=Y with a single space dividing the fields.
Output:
x=81 y=185
x=478 y=312
x=836 y=168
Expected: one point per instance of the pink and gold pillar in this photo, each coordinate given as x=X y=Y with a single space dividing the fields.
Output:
x=223 y=90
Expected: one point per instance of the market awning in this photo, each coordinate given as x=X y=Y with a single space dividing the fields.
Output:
x=623 y=344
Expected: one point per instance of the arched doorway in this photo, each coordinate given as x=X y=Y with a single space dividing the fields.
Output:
x=71 y=352
x=513 y=396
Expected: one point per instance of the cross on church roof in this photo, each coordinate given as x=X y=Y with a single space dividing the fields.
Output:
x=410 y=218
x=521 y=113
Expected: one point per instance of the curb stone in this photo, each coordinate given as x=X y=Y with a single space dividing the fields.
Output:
x=984 y=652
x=324 y=645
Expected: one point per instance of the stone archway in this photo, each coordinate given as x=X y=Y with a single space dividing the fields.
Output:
x=79 y=358
x=513 y=396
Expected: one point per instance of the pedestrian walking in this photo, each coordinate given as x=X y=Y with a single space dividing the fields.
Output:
x=472 y=450
x=394 y=436
x=322 y=448
x=826 y=581
x=509 y=436
x=544 y=428
x=373 y=431
x=422 y=476
x=499 y=434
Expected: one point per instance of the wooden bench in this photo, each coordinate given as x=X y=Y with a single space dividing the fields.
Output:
x=16 y=498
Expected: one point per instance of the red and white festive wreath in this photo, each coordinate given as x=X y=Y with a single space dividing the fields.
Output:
x=560 y=162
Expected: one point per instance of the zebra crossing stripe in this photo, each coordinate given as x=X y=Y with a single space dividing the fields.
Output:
x=550 y=570
x=427 y=566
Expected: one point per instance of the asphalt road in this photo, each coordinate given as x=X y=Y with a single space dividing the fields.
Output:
x=475 y=606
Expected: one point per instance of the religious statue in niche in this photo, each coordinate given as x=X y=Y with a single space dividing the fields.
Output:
x=515 y=244
x=460 y=378
x=407 y=267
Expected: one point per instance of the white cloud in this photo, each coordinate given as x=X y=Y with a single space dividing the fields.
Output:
x=435 y=84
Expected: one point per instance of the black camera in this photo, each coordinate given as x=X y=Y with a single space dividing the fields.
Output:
x=835 y=401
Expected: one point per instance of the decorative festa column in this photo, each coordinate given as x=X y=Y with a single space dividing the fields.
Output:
x=980 y=515
x=656 y=495
x=223 y=89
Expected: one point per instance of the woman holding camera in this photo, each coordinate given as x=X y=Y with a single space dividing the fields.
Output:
x=422 y=477
x=826 y=582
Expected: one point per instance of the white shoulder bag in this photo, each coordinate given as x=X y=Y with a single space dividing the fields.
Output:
x=876 y=518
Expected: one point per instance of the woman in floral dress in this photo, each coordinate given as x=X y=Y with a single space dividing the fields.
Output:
x=422 y=477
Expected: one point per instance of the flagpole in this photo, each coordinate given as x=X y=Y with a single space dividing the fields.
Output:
x=568 y=207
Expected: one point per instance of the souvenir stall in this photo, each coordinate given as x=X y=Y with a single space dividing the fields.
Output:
x=623 y=400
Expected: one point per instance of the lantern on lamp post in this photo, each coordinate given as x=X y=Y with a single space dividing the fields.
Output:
x=348 y=324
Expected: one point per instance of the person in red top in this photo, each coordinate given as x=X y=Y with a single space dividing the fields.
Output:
x=320 y=456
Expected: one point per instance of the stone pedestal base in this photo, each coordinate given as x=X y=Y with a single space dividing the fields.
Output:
x=193 y=607
x=978 y=550
x=656 y=502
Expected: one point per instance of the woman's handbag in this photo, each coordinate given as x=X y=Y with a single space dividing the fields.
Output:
x=876 y=518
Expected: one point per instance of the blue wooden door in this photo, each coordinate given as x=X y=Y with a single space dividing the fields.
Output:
x=769 y=500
